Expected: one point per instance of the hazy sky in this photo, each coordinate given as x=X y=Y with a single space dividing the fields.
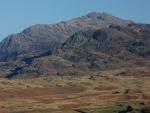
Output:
x=15 y=15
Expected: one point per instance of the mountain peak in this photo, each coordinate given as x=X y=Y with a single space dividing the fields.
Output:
x=40 y=38
x=96 y=14
x=93 y=13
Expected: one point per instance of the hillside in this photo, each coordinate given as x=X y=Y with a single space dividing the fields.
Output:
x=87 y=52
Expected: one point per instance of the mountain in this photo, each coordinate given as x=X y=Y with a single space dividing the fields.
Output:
x=85 y=45
x=42 y=38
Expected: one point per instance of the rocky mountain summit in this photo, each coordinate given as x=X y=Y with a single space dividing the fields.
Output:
x=41 y=38
x=89 y=44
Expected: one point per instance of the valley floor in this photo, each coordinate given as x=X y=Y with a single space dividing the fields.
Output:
x=103 y=92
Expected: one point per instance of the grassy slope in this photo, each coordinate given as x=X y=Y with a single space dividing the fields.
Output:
x=102 y=92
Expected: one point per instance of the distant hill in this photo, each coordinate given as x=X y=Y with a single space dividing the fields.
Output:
x=95 y=42
x=41 y=38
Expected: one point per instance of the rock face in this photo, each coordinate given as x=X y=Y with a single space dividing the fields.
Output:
x=112 y=41
x=42 y=38
x=80 y=46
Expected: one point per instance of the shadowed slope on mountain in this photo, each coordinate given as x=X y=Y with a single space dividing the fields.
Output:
x=89 y=51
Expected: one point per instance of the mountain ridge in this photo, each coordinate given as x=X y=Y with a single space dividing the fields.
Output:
x=41 y=37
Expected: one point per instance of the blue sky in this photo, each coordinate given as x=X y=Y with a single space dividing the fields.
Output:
x=16 y=15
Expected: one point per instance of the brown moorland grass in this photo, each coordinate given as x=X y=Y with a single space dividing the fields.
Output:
x=65 y=94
